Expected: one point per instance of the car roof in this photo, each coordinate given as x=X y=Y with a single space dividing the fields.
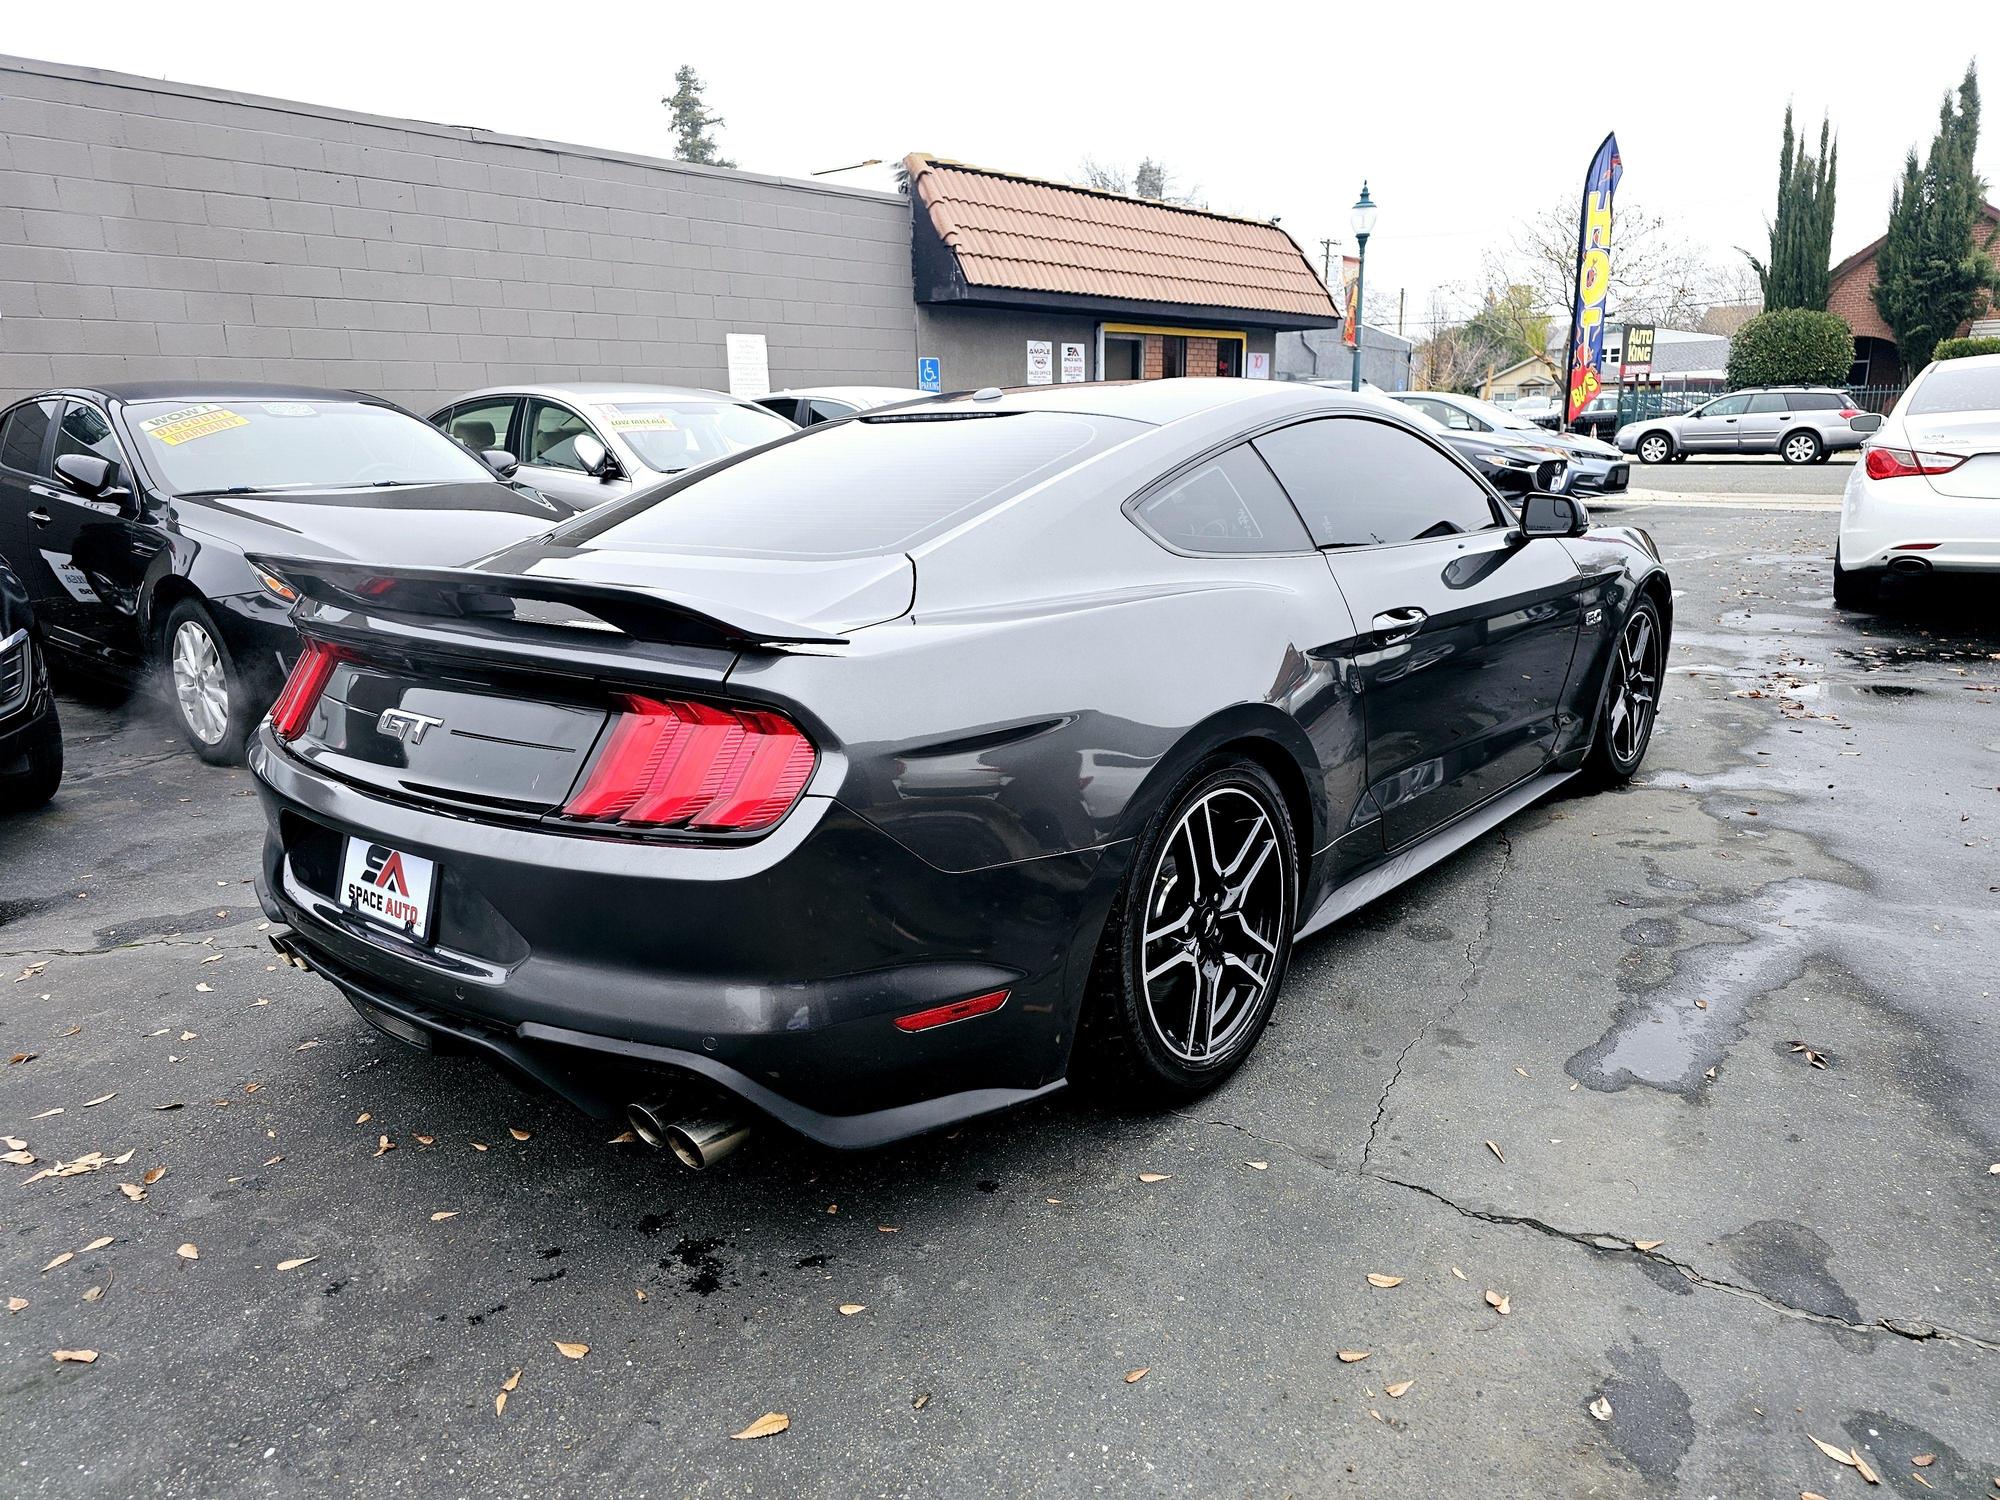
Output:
x=590 y=392
x=1162 y=401
x=882 y=395
x=211 y=390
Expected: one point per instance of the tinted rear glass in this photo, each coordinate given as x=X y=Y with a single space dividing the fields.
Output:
x=1816 y=400
x=859 y=488
x=1952 y=387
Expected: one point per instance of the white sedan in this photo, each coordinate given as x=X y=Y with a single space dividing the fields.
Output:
x=1925 y=496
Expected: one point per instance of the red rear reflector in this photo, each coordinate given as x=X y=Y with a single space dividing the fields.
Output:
x=1913 y=546
x=1896 y=463
x=302 y=689
x=958 y=1010
x=668 y=763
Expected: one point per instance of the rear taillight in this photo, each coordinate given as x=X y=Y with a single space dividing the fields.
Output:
x=667 y=763
x=1897 y=463
x=1847 y=413
x=302 y=689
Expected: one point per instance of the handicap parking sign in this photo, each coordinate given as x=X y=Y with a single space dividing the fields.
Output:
x=930 y=374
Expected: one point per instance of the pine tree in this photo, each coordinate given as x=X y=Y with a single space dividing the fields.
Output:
x=1802 y=232
x=1934 y=263
x=694 y=126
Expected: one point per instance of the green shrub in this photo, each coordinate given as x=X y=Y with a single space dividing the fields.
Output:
x=1960 y=348
x=1793 y=346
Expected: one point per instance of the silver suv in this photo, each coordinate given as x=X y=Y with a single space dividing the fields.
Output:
x=1801 y=424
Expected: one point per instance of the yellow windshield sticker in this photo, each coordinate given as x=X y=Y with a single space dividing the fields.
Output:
x=191 y=422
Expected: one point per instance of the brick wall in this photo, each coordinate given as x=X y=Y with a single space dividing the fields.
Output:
x=1853 y=298
x=1155 y=358
x=157 y=230
x=1200 y=357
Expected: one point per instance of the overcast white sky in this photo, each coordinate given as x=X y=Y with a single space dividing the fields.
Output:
x=1461 y=116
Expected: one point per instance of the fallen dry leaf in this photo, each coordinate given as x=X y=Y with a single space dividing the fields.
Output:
x=1647 y=1244
x=93 y=1294
x=1838 y=1455
x=188 y=1252
x=639 y=1292
x=67 y=1255
x=519 y=1135
x=1376 y=1278
x=384 y=1145
x=98 y=1244
x=512 y=1382
x=1499 y=1302
x=572 y=1351
x=75 y=1356
x=293 y=1265
x=442 y=1214
x=770 y=1423
x=19 y=1158
x=1496 y=1151
x=132 y=1190
x=1923 y=1460
x=1458 y=1273
x=919 y=1402
x=849 y=1309
x=364 y=1117
x=479 y=1146
x=426 y=1140
x=1396 y=1391
x=204 y=988
x=1133 y=1377
x=1352 y=1356
x=152 y=1175
x=1601 y=1409
x=1258 y=1166
x=623 y=1138
x=46 y=1113
x=1154 y=1176
x=119 y=1161
x=100 y=1099
x=1861 y=1466
x=499 y=1403
x=15 y=1304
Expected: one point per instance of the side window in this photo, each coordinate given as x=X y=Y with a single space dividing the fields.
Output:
x=1765 y=402
x=1228 y=504
x=1815 y=401
x=552 y=434
x=827 y=411
x=23 y=434
x=785 y=406
x=85 y=429
x=1728 y=406
x=1359 y=482
x=482 y=424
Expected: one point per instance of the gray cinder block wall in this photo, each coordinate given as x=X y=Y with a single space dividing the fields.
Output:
x=155 y=230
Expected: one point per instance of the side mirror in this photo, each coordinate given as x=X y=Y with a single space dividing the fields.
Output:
x=592 y=454
x=1551 y=515
x=86 y=473
x=500 y=461
x=1868 y=421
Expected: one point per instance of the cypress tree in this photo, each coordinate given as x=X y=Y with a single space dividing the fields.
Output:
x=1934 y=262
x=1802 y=231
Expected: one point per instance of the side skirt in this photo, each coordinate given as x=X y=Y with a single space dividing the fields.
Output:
x=1427 y=851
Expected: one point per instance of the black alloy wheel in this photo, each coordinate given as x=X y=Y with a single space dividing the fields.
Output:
x=1631 y=697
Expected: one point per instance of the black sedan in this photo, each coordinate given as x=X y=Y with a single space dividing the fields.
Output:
x=126 y=510
x=890 y=773
x=31 y=748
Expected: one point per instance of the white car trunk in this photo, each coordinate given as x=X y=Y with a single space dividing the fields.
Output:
x=1973 y=433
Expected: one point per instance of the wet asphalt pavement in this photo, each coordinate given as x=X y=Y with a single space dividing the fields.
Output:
x=1592 y=1033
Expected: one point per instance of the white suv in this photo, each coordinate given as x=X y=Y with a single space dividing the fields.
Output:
x=1926 y=495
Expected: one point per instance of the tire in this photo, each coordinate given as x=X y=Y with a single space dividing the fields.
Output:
x=205 y=691
x=1630 y=704
x=1655 y=448
x=29 y=789
x=1801 y=448
x=1216 y=872
x=1858 y=590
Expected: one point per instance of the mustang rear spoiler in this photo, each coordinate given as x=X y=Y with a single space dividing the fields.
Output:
x=463 y=594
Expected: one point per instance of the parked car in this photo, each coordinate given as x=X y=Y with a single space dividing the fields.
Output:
x=31 y=747
x=824 y=403
x=1925 y=497
x=126 y=510
x=1801 y=424
x=935 y=754
x=592 y=444
x=1534 y=408
x=1594 y=468
x=1506 y=461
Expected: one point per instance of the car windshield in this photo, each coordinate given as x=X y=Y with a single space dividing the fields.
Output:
x=1954 y=387
x=1497 y=416
x=239 y=446
x=670 y=436
x=859 y=488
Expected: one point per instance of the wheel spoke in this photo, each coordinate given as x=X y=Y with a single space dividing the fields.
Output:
x=1180 y=956
x=1154 y=934
x=1234 y=898
x=1249 y=844
x=1201 y=1011
x=1251 y=933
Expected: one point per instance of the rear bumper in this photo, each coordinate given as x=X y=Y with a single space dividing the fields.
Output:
x=1880 y=519
x=607 y=969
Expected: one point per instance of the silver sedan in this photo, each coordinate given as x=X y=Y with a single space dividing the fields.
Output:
x=594 y=443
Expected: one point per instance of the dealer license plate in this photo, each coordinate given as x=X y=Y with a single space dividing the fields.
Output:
x=388 y=886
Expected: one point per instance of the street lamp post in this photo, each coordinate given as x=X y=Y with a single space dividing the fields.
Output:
x=1363 y=219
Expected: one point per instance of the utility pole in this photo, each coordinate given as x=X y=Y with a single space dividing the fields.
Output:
x=1402 y=294
x=1326 y=262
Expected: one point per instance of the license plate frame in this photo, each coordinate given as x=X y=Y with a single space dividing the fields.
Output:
x=388 y=887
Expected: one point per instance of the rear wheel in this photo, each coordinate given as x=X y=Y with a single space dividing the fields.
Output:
x=1801 y=448
x=1655 y=448
x=1197 y=946
x=37 y=782
x=210 y=701
x=1631 y=698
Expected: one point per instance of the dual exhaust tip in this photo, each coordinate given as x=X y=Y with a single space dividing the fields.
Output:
x=697 y=1141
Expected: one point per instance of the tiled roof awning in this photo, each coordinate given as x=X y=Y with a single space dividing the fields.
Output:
x=1000 y=240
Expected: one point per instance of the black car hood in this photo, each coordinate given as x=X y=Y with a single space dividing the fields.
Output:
x=431 y=525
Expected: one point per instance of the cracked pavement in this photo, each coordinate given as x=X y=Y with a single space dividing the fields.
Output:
x=1610 y=991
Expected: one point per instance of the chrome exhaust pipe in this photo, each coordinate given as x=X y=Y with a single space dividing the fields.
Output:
x=650 y=1120
x=703 y=1141
x=1907 y=566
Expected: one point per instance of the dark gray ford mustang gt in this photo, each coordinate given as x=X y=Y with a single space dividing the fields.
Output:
x=890 y=773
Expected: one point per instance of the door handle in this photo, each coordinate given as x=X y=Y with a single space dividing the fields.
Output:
x=40 y=517
x=1394 y=625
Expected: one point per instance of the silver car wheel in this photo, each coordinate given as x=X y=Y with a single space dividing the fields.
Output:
x=1801 y=447
x=1211 y=941
x=201 y=687
x=1654 y=448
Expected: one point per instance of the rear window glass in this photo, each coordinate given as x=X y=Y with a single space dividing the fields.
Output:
x=1957 y=387
x=1816 y=400
x=860 y=488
